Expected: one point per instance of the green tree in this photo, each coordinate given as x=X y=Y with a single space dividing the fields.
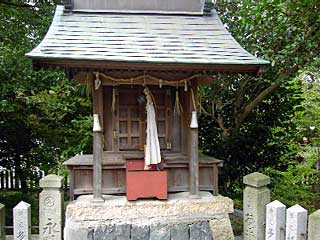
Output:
x=248 y=121
x=43 y=116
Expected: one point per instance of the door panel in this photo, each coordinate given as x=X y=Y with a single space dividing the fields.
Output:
x=132 y=118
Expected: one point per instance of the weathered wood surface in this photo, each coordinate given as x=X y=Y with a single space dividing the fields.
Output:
x=113 y=173
x=97 y=165
x=194 y=163
x=94 y=65
x=149 y=6
x=97 y=95
x=125 y=124
x=194 y=140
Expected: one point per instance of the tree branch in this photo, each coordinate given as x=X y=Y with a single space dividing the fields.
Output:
x=253 y=104
x=225 y=131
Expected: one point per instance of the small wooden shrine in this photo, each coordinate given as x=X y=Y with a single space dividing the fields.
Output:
x=122 y=48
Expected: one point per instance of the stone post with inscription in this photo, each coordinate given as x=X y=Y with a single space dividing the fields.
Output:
x=276 y=221
x=51 y=208
x=22 y=221
x=256 y=196
x=296 y=228
x=2 y=222
x=314 y=226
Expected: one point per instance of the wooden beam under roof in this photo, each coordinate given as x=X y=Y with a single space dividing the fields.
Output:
x=104 y=65
x=140 y=6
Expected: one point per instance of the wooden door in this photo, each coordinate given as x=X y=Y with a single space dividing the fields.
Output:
x=132 y=118
x=163 y=115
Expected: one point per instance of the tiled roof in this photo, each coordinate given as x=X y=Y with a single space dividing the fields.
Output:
x=137 y=38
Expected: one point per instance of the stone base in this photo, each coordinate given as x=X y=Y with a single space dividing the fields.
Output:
x=179 y=217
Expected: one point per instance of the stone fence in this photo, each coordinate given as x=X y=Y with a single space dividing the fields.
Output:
x=50 y=209
x=265 y=220
x=262 y=219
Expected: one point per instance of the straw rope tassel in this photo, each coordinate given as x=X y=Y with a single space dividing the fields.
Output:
x=193 y=100
x=177 y=105
x=113 y=105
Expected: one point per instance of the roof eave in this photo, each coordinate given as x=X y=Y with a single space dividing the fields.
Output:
x=39 y=63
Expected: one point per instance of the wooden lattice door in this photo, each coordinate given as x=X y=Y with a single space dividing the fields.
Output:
x=132 y=118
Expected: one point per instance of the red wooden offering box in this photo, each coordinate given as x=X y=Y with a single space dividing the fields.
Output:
x=143 y=183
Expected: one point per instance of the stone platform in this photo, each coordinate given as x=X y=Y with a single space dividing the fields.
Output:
x=179 y=217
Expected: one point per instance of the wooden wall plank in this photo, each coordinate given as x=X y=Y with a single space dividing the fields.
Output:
x=108 y=123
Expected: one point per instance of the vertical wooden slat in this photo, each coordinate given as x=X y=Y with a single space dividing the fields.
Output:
x=71 y=193
x=168 y=108
x=108 y=119
x=185 y=121
x=176 y=127
x=115 y=122
x=129 y=126
x=215 y=183
x=142 y=125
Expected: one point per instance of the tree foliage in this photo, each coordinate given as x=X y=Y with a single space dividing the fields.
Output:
x=43 y=116
x=248 y=120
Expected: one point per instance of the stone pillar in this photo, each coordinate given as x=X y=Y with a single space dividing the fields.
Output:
x=51 y=208
x=255 y=198
x=297 y=218
x=276 y=221
x=2 y=222
x=22 y=221
x=314 y=226
x=97 y=160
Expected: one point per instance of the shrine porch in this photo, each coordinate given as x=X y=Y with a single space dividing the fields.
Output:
x=114 y=172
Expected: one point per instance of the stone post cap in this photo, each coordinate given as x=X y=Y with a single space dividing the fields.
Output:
x=22 y=205
x=276 y=204
x=256 y=179
x=297 y=208
x=315 y=216
x=51 y=181
x=1 y=206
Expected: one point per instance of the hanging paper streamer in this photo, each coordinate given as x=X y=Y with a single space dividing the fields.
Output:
x=185 y=86
x=97 y=82
x=152 y=147
x=160 y=83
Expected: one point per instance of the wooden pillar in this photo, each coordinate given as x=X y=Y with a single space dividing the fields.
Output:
x=97 y=159
x=97 y=97
x=194 y=145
